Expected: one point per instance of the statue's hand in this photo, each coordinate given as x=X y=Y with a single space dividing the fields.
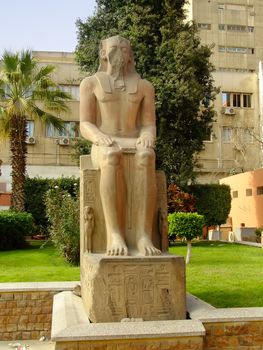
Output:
x=103 y=140
x=146 y=141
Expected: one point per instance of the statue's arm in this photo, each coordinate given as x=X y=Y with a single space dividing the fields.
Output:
x=87 y=105
x=147 y=122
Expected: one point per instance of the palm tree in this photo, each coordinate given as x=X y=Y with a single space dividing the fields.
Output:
x=27 y=91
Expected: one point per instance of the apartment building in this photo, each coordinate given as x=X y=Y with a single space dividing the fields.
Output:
x=235 y=29
x=49 y=151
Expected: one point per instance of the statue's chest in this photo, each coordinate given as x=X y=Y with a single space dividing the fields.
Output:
x=122 y=99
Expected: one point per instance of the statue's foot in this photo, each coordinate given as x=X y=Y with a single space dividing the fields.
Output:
x=146 y=247
x=117 y=246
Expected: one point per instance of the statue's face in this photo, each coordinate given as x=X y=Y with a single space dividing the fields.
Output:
x=117 y=53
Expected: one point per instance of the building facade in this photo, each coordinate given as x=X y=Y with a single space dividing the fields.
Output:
x=49 y=151
x=246 y=204
x=235 y=30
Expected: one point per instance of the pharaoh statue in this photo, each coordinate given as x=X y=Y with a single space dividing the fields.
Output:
x=117 y=115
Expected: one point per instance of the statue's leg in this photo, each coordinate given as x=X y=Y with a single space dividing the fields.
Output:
x=145 y=199
x=113 y=198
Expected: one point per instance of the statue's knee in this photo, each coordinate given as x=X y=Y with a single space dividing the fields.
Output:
x=146 y=157
x=112 y=158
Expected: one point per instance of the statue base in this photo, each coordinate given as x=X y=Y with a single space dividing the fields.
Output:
x=72 y=330
x=133 y=287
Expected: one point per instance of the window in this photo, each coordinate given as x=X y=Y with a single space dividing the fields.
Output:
x=235 y=194
x=250 y=29
x=30 y=125
x=236 y=28
x=235 y=49
x=236 y=99
x=206 y=26
x=227 y=133
x=221 y=26
x=247 y=100
x=235 y=70
x=247 y=135
x=208 y=136
x=226 y=99
x=233 y=7
x=73 y=90
x=71 y=129
x=249 y=192
x=260 y=190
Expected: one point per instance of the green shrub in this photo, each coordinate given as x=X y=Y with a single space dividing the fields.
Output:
x=213 y=201
x=179 y=201
x=36 y=189
x=63 y=214
x=14 y=226
x=258 y=232
x=186 y=226
x=80 y=147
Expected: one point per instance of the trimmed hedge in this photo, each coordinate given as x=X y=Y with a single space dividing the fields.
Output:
x=14 y=226
x=213 y=201
x=35 y=190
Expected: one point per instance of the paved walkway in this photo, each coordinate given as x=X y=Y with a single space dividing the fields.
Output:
x=252 y=244
x=30 y=345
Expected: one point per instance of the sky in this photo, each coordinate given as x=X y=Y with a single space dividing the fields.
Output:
x=41 y=25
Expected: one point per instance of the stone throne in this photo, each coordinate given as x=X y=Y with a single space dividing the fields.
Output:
x=115 y=288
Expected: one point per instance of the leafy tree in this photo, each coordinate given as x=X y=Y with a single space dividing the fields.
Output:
x=80 y=147
x=168 y=53
x=27 y=91
x=213 y=201
x=186 y=226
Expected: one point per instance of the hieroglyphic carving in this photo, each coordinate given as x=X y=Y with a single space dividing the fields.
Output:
x=89 y=185
x=146 y=290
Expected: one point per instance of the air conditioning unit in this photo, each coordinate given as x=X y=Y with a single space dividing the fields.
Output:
x=30 y=140
x=230 y=111
x=64 y=141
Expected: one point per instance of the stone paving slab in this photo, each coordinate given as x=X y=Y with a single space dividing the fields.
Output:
x=32 y=344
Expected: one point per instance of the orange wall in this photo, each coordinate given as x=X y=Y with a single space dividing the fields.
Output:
x=246 y=209
x=5 y=199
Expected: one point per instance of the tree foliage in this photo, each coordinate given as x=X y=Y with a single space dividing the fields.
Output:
x=179 y=201
x=167 y=52
x=62 y=210
x=213 y=201
x=35 y=192
x=27 y=91
x=186 y=226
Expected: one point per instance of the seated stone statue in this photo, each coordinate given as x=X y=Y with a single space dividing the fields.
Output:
x=117 y=115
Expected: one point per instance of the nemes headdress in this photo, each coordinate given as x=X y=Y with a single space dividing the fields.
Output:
x=103 y=62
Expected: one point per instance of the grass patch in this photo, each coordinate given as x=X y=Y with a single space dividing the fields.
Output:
x=37 y=263
x=224 y=274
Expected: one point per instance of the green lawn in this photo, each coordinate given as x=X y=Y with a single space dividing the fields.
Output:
x=225 y=275
x=38 y=263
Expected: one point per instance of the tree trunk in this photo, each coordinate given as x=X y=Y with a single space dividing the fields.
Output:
x=189 y=252
x=18 y=150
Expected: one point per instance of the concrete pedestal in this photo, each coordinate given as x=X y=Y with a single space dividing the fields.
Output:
x=71 y=330
x=149 y=288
